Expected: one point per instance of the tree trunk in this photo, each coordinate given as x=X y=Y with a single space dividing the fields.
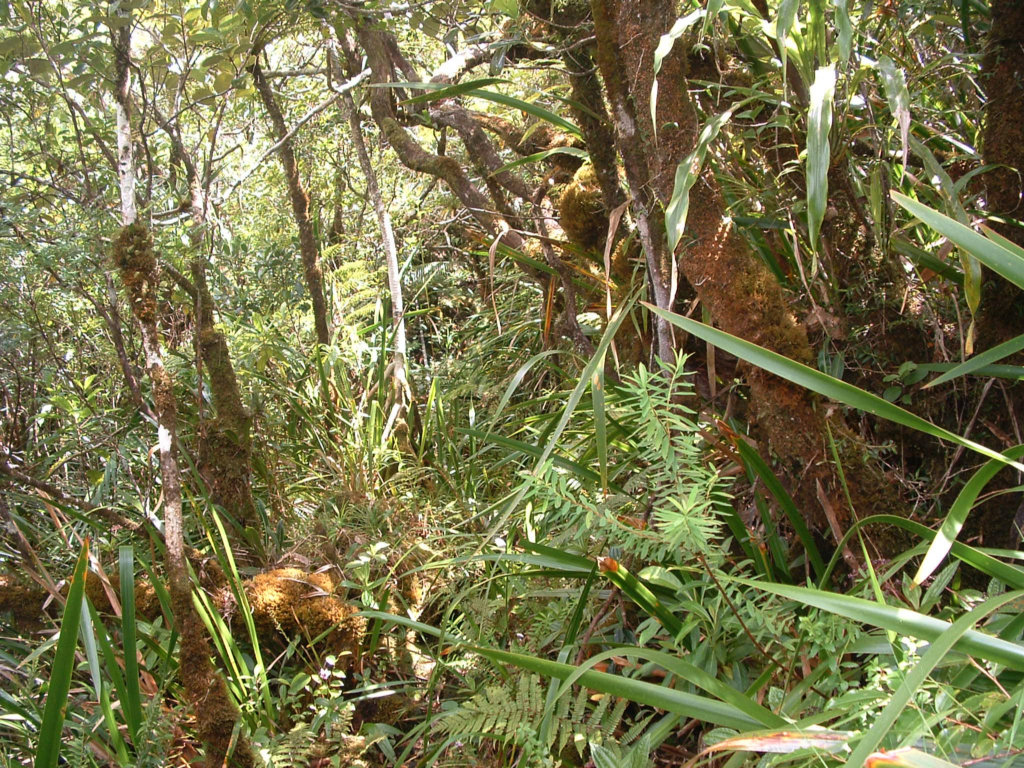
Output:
x=1003 y=148
x=739 y=291
x=300 y=207
x=135 y=258
x=401 y=392
x=225 y=442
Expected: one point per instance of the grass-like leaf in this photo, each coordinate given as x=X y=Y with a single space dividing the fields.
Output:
x=823 y=384
x=132 y=704
x=476 y=88
x=958 y=513
x=906 y=758
x=63 y=665
x=537 y=156
x=916 y=677
x=901 y=620
x=980 y=361
x=819 y=149
x=988 y=251
x=751 y=459
x=687 y=174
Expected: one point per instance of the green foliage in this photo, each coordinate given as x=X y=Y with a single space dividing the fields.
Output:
x=666 y=496
x=511 y=713
x=530 y=458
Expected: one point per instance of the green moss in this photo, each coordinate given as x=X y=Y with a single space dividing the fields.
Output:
x=289 y=602
x=581 y=210
x=136 y=261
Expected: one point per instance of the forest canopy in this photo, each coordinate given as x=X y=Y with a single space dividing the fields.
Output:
x=608 y=383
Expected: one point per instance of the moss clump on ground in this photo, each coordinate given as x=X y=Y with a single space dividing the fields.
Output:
x=289 y=602
x=147 y=605
x=24 y=602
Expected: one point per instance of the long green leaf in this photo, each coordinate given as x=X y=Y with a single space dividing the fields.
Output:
x=537 y=156
x=927 y=260
x=980 y=360
x=783 y=26
x=665 y=44
x=822 y=383
x=751 y=458
x=845 y=29
x=1010 y=575
x=901 y=620
x=898 y=96
x=687 y=174
x=991 y=253
x=438 y=91
x=600 y=425
x=132 y=703
x=638 y=592
x=916 y=677
x=95 y=633
x=63 y=665
x=685 y=704
x=958 y=513
x=693 y=674
x=819 y=148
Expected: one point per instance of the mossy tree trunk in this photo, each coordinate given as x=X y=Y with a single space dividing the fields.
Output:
x=1003 y=149
x=741 y=294
x=225 y=442
x=308 y=248
x=135 y=259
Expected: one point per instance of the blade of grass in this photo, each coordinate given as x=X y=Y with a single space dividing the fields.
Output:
x=979 y=361
x=686 y=704
x=476 y=89
x=916 y=677
x=600 y=425
x=752 y=459
x=56 y=705
x=901 y=620
x=822 y=383
x=537 y=156
x=687 y=174
x=689 y=673
x=992 y=254
x=94 y=633
x=906 y=758
x=132 y=701
x=638 y=592
x=958 y=513
x=819 y=149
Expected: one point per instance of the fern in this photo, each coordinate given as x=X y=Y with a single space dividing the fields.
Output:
x=356 y=286
x=293 y=749
x=306 y=742
x=667 y=509
x=510 y=714
x=668 y=512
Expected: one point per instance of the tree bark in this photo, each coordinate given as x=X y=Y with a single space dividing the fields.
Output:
x=1003 y=148
x=300 y=207
x=741 y=294
x=135 y=258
